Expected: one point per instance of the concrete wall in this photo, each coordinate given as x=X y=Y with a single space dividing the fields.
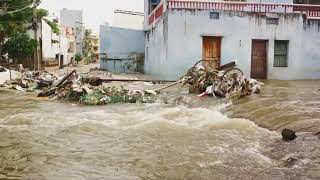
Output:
x=156 y=61
x=118 y=45
x=185 y=29
x=49 y=49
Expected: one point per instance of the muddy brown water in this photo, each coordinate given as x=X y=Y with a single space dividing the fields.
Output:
x=187 y=139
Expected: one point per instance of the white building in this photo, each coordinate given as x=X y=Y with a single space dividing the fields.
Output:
x=54 y=47
x=268 y=39
x=74 y=19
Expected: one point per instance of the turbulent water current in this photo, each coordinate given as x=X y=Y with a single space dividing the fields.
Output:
x=198 y=139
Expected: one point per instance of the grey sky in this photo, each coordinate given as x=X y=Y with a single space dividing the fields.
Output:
x=96 y=12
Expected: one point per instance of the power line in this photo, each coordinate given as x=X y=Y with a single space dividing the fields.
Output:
x=33 y=4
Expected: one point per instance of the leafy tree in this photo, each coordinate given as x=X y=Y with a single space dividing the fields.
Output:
x=88 y=47
x=19 y=46
x=16 y=17
x=41 y=13
x=54 y=26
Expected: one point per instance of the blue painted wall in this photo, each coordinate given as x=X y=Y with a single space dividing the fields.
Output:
x=120 y=48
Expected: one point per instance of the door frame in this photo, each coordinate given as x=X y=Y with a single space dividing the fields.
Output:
x=266 y=41
x=220 y=46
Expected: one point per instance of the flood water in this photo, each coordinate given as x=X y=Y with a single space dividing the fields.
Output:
x=193 y=139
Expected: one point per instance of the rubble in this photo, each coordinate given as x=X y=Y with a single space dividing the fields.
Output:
x=79 y=88
x=229 y=84
x=7 y=75
x=2 y=69
x=89 y=89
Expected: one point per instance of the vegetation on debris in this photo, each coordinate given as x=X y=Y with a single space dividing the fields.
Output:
x=75 y=88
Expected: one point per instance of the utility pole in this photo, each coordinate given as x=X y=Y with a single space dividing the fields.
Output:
x=35 y=32
x=37 y=58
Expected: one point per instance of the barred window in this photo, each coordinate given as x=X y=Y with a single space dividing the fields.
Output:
x=281 y=53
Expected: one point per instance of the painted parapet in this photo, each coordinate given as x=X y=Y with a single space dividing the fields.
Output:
x=122 y=50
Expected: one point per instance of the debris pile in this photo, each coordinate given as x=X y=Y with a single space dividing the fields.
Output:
x=30 y=81
x=229 y=84
x=90 y=89
x=80 y=88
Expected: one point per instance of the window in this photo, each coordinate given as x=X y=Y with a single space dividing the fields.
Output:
x=274 y=21
x=214 y=15
x=281 y=53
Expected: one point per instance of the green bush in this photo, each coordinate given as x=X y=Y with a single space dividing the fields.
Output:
x=19 y=46
x=78 y=57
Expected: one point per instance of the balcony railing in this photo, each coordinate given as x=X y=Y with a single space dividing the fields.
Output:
x=157 y=12
x=309 y=10
x=312 y=11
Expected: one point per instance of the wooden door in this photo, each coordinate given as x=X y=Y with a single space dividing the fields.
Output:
x=259 y=59
x=211 y=51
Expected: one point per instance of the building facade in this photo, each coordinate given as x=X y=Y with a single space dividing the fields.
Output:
x=267 y=39
x=52 y=50
x=70 y=34
x=73 y=19
x=94 y=48
x=54 y=47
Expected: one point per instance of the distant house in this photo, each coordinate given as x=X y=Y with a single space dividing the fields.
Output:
x=52 y=48
x=268 y=39
x=94 y=47
x=74 y=19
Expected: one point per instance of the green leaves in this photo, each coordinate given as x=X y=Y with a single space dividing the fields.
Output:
x=54 y=26
x=17 y=22
x=19 y=46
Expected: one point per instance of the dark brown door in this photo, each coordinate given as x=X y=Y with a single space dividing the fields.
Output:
x=259 y=59
x=61 y=61
x=211 y=51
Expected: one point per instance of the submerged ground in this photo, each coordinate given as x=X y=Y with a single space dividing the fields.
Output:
x=189 y=138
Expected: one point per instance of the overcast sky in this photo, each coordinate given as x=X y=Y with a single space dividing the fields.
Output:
x=96 y=12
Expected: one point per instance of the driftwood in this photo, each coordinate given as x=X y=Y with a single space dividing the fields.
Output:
x=168 y=86
x=47 y=93
x=93 y=81
x=136 y=80
x=96 y=81
x=227 y=66
x=41 y=83
x=64 y=79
